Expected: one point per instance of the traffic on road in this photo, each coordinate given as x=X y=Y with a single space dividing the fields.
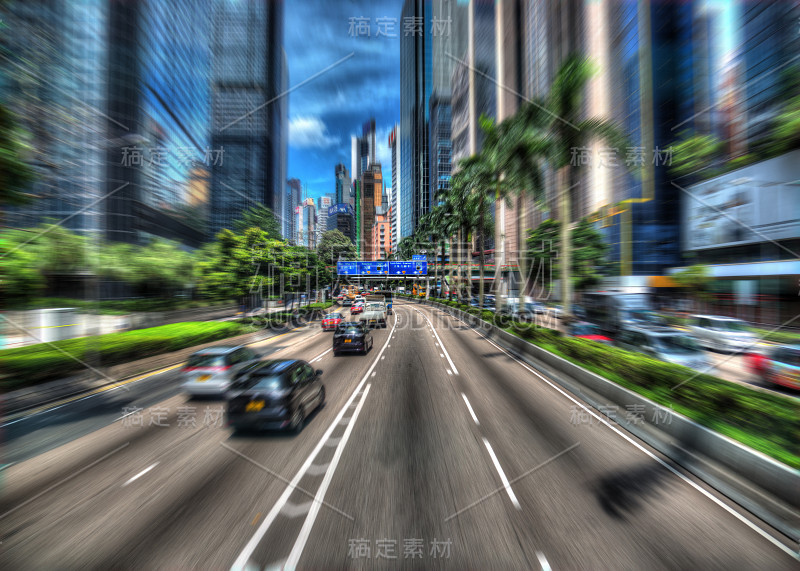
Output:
x=361 y=447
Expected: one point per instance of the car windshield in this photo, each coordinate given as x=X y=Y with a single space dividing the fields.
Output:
x=349 y=330
x=334 y=316
x=649 y=316
x=676 y=344
x=206 y=361
x=731 y=325
x=268 y=383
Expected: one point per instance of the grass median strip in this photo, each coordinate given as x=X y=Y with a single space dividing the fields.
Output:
x=35 y=364
x=765 y=422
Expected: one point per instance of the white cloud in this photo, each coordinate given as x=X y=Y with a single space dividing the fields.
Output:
x=310 y=132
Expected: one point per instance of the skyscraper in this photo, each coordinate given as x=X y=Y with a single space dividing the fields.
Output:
x=427 y=56
x=371 y=198
x=396 y=214
x=248 y=116
x=294 y=192
x=342 y=184
x=771 y=51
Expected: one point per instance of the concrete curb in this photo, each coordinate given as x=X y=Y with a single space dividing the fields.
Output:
x=20 y=400
x=763 y=486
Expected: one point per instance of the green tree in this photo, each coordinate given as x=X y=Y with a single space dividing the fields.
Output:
x=477 y=180
x=696 y=278
x=589 y=253
x=261 y=217
x=20 y=278
x=16 y=175
x=160 y=269
x=693 y=153
x=335 y=246
x=556 y=128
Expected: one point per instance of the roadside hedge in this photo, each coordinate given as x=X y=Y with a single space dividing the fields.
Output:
x=34 y=364
x=768 y=423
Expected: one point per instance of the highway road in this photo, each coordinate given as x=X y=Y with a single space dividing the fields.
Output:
x=435 y=450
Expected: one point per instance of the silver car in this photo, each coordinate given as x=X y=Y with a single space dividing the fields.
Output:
x=665 y=344
x=211 y=371
x=722 y=333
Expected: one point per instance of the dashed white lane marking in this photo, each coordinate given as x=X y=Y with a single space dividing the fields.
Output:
x=292 y=511
x=374 y=373
x=140 y=474
x=436 y=335
x=441 y=355
x=449 y=372
x=305 y=532
x=321 y=355
x=469 y=406
x=503 y=478
x=317 y=469
x=543 y=561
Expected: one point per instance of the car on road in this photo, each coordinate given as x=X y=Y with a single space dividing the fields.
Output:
x=783 y=367
x=357 y=308
x=725 y=334
x=211 y=371
x=665 y=344
x=590 y=331
x=277 y=394
x=528 y=312
x=346 y=302
x=374 y=314
x=331 y=321
x=352 y=337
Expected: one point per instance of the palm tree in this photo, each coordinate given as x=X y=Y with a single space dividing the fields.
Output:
x=477 y=174
x=549 y=131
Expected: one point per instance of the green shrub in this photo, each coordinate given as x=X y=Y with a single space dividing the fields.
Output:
x=25 y=366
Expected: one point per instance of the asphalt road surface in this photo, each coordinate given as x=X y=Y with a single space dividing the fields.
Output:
x=435 y=450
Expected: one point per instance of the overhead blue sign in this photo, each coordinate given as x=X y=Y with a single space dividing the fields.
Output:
x=373 y=268
x=342 y=208
x=419 y=257
x=413 y=268
x=347 y=268
x=410 y=268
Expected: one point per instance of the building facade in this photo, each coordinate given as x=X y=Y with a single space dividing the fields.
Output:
x=248 y=70
x=396 y=214
x=381 y=235
x=371 y=200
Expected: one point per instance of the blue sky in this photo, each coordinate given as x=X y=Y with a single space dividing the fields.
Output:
x=327 y=110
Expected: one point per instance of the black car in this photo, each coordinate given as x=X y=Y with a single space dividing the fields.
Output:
x=352 y=337
x=277 y=394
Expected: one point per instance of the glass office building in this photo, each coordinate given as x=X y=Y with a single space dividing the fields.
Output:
x=247 y=75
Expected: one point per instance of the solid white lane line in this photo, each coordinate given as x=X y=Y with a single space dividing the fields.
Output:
x=449 y=360
x=140 y=474
x=502 y=475
x=305 y=532
x=543 y=561
x=469 y=406
x=630 y=440
x=321 y=355
x=242 y=561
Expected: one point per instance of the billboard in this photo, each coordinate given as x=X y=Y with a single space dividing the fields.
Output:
x=341 y=208
x=753 y=204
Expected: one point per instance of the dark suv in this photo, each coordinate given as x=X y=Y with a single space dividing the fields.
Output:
x=276 y=394
x=352 y=337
